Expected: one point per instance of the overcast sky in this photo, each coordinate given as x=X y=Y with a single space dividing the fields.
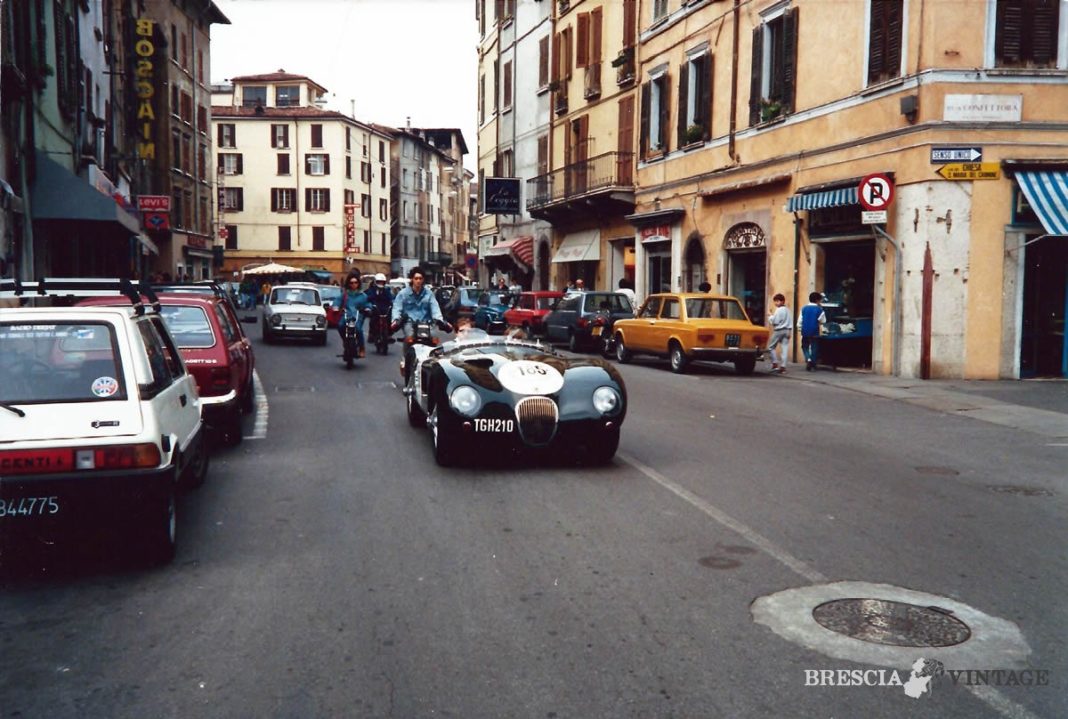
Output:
x=395 y=58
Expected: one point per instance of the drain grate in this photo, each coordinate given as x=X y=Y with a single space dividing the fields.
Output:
x=293 y=388
x=898 y=624
x=1022 y=491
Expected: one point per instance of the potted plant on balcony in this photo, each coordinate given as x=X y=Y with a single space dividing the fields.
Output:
x=694 y=133
x=769 y=109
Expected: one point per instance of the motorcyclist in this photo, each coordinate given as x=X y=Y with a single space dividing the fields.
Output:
x=380 y=296
x=352 y=301
x=415 y=303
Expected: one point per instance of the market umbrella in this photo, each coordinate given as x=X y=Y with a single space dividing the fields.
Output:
x=273 y=268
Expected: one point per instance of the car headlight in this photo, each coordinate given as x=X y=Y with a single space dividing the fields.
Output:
x=320 y=321
x=606 y=400
x=276 y=319
x=465 y=400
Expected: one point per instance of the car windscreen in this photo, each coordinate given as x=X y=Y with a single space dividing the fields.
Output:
x=498 y=298
x=294 y=296
x=59 y=362
x=329 y=294
x=545 y=303
x=709 y=308
x=189 y=326
x=611 y=303
x=509 y=350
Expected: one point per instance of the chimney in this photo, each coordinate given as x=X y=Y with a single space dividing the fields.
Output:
x=408 y=122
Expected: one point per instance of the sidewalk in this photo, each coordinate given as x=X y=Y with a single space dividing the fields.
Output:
x=1038 y=406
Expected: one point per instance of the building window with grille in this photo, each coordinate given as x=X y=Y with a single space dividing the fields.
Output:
x=318 y=239
x=317 y=199
x=1026 y=33
x=233 y=199
x=317 y=164
x=285 y=241
x=283 y=199
x=884 y=40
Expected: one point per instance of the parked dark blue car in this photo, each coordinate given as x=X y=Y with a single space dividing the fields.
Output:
x=489 y=314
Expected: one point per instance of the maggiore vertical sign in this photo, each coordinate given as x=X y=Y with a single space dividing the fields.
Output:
x=501 y=195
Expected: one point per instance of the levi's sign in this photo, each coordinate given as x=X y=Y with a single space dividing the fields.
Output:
x=956 y=154
x=154 y=203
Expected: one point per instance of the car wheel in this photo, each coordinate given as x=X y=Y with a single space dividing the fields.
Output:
x=416 y=418
x=602 y=451
x=160 y=540
x=745 y=365
x=196 y=471
x=573 y=342
x=446 y=448
x=623 y=355
x=677 y=357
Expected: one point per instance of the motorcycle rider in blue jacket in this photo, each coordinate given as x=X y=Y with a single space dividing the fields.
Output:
x=415 y=303
x=352 y=301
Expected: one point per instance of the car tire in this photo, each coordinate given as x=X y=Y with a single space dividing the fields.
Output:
x=446 y=448
x=416 y=417
x=196 y=470
x=745 y=365
x=677 y=357
x=604 y=449
x=623 y=355
x=160 y=540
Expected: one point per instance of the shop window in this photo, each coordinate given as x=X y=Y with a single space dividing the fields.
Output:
x=774 y=67
x=884 y=40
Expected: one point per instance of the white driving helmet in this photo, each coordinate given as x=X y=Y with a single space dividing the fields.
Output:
x=380 y=277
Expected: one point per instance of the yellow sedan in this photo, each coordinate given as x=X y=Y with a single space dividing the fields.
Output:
x=691 y=326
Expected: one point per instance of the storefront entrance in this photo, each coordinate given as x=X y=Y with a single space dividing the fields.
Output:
x=695 y=264
x=658 y=266
x=1043 y=352
x=747 y=269
x=848 y=283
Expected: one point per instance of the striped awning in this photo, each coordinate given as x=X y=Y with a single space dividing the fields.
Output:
x=822 y=200
x=518 y=249
x=1047 y=193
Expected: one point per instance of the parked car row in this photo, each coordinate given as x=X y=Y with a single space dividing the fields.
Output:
x=106 y=406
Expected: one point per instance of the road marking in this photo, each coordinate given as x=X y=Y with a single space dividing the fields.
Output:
x=259 y=429
x=728 y=521
x=987 y=694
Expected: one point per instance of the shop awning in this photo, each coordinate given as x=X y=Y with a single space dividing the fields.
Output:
x=1047 y=193
x=518 y=249
x=580 y=247
x=821 y=200
x=59 y=194
x=148 y=244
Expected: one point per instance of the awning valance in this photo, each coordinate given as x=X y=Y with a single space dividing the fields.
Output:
x=580 y=247
x=59 y=194
x=518 y=249
x=821 y=200
x=1047 y=193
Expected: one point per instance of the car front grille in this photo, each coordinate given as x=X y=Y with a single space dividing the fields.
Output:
x=296 y=319
x=537 y=419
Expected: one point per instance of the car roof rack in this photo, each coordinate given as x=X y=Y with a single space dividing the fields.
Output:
x=81 y=287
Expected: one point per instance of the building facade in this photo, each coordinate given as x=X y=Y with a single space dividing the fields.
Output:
x=298 y=184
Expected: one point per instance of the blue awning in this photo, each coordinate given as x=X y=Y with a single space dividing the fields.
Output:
x=821 y=200
x=1047 y=193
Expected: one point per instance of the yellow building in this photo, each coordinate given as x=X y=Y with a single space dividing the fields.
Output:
x=759 y=120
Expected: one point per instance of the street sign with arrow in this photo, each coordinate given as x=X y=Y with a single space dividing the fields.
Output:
x=956 y=154
x=970 y=171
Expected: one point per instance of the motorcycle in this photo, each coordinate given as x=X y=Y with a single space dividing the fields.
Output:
x=350 y=340
x=421 y=334
x=603 y=335
x=378 y=332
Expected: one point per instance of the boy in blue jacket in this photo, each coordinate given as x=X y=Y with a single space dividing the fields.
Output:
x=809 y=322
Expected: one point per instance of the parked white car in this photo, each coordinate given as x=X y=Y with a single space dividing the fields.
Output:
x=294 y=310
x=99 y=420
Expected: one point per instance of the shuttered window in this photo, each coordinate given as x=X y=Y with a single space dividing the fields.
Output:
x=284 y=241
x=772 y=94
x=318 y=239
x=695 y=100
x=582 y=49
x=507 y=85
x=316 y=135
x=1026 y=33
x=543 y=61
x=317 y=199
x=655 y=105
x=884 y=40
x=630 y=22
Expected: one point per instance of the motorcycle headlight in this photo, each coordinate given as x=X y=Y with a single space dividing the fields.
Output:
x=606 y=400
x=465 y=400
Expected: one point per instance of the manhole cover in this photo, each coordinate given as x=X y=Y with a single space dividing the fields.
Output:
x=895 y=623
x=293 y=388
x=945 y=471
x=1024 y=491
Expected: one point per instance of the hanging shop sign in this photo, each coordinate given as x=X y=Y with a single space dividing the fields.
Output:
x=350 y=227
x=145 y=87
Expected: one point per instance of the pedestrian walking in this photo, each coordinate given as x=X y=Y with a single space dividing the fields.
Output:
x=810 y=322
x=781 y=322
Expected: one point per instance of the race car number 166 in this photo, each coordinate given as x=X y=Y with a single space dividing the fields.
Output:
x=489 y=424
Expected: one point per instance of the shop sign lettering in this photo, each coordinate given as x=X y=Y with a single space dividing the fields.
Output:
x=144 y=64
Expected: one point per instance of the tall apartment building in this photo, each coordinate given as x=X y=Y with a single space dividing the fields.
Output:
x=425 y=163
x=298 y=184
x=455 y=203
x=516 y=43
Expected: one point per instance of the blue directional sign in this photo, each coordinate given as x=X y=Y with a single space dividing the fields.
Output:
x=956 y=154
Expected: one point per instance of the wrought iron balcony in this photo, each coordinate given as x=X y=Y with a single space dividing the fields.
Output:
x=604 y=179
x=444 y=259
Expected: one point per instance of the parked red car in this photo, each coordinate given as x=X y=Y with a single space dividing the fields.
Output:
x=529 y=312
x=216 y=352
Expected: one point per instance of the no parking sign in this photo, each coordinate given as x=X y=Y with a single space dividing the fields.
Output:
x=875 y=192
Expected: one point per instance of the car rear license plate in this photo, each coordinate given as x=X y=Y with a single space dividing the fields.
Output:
x=596 y=332
x=36 y=461
x=733 y=340
x=28 y=506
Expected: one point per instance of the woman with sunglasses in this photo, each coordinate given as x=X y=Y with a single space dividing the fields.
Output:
x=352 y=302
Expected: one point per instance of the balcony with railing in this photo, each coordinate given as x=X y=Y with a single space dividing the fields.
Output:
x=604 y=182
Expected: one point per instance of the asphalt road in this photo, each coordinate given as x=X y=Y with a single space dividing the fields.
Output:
x=332 y=570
